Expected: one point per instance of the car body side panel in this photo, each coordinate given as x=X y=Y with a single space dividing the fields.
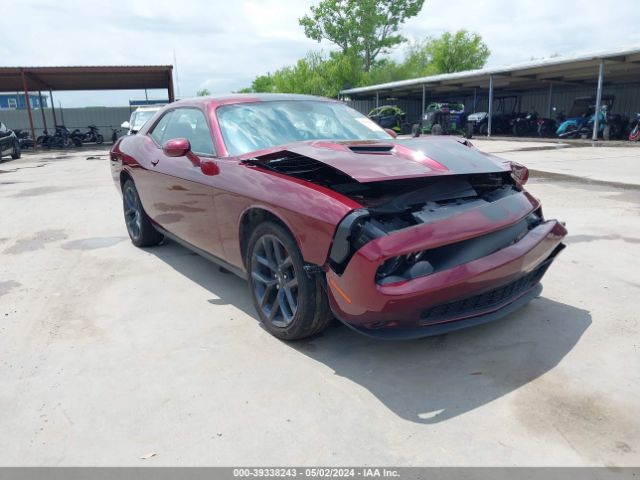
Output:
x=247 y=187
x=311 y=212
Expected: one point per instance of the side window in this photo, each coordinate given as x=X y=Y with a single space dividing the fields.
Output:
x=159 y=130
x=190 y=123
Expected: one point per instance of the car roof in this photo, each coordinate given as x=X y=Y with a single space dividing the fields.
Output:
x=233 y=98
x=149 y=108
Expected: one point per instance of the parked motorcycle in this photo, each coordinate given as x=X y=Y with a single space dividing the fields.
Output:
x=115 y=134
x=92 y=135
x=43 y=140
x=547 y=126
x=76 y=136
x=634 y=134
x=24 y=138
x=527 y=125
x=61 y=139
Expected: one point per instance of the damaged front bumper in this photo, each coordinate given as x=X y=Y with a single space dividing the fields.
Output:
x=469 y=293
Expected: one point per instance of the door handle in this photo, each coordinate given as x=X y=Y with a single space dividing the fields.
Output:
x=154 y=163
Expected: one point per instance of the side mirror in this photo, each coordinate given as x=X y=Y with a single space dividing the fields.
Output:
x=391 y=132
x=125 y=125
x=177 y=147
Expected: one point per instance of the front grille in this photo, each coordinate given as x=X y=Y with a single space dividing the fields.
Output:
x=484 y=301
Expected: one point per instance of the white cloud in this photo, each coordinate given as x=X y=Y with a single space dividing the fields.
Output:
x=223 y=45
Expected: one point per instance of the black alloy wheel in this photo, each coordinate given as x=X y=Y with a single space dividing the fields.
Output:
x=291 y=303
x=275 y=281
x=139 y=226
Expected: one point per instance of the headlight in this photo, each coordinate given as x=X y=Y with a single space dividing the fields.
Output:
x=519 y=173
x=403 y=267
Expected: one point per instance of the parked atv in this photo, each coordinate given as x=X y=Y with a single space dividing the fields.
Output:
x=479 y=123
x=441 y=119
x=581 y=113
x=391 y=116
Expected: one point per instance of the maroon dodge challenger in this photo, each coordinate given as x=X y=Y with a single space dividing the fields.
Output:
x=326 y=214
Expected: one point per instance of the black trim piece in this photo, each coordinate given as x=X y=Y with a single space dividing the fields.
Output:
x=212 y=258
x=442 y=328
x=341 y=247
x=489 y=299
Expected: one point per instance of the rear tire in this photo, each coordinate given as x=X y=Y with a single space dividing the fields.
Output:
x=15 y=154
x=99 y=139
x=436 y=129
x=415 y=130
x=291 y=304
x=634 y=136
x=469 y=130
x=139 y=227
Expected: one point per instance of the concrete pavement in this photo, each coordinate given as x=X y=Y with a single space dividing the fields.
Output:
x=620 y=164
x=112 y=353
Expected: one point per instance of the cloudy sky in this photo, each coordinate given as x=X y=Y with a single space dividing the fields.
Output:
x=222 y=45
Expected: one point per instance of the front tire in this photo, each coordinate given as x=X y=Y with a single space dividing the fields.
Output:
x=436 y=129
x=291 y=304
x=15 y=154
x=99 y=139
x=139 y=227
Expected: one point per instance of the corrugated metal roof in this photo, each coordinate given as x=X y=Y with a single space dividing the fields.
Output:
x=557 y=67
x=104 y=77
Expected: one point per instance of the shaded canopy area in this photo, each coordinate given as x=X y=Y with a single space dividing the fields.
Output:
x=586 y=70
x=129 y=77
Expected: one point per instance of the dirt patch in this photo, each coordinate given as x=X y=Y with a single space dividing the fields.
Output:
x=165 y=207
x=166 y=218
x=8 y=285
x=36 y=242
x=92 y=243
x=592 y=425
x=34 y=192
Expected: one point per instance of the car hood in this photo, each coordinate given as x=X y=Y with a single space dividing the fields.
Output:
x=373 y=161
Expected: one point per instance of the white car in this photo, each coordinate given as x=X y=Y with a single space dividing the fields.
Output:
x=139 y=117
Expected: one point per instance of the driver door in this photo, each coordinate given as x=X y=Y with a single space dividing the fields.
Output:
x=181 y=197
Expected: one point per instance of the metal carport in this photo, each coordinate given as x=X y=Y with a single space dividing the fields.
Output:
x=37 y=79
x=595 y=69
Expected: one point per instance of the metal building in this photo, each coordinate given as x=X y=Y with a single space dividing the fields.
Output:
x=537 y=85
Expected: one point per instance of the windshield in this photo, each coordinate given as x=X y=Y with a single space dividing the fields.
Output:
x=247 y=127
x=139 y=118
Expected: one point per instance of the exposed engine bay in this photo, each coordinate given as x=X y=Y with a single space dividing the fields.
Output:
x=393 y=205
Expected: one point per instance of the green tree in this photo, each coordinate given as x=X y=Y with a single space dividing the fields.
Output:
x=364 y=28
x=262 y=84
x=456 y=52
x=315 y=74
x=203 y=93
